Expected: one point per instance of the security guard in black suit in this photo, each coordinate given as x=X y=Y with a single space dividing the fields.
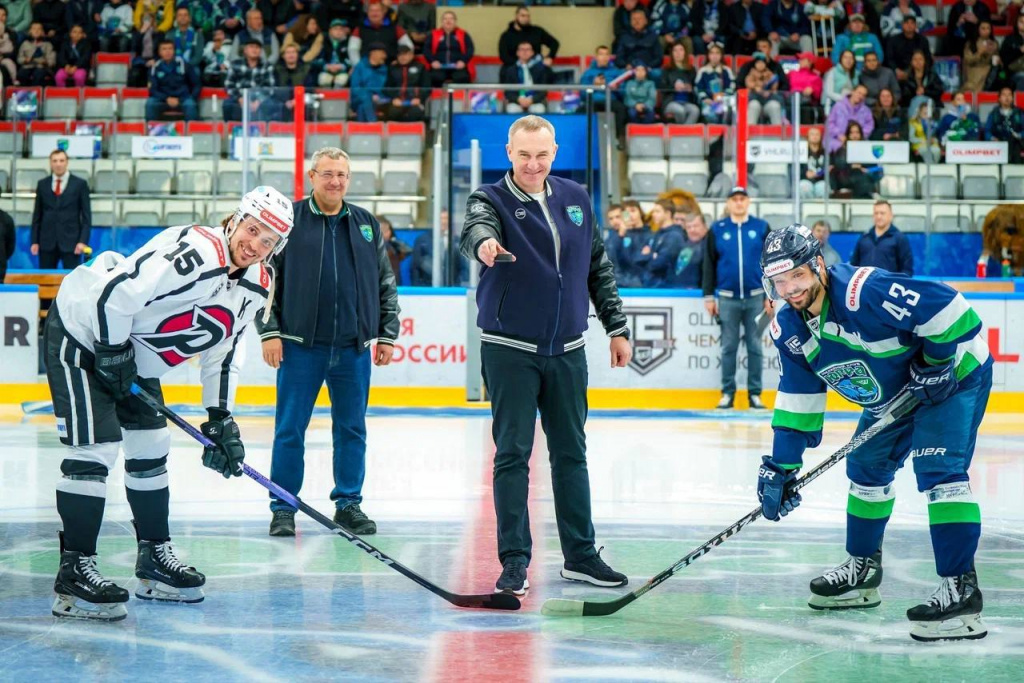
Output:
x=62 y=217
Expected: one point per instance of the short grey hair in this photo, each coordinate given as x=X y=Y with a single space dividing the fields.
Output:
x=333 y=153
x=529 y=124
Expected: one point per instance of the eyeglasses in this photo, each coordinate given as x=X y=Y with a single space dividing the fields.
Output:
x=328 y=176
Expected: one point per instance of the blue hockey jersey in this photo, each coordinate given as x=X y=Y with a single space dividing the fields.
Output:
x=872 y=325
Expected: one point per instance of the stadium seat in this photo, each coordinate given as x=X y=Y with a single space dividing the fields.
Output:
x=207 y=137
x=102 y=212
x=910 y=217
x=39 y=127
x=899 y=181
x=647 y=177
x=332 y=105
x=281 y=129
x=133 y=104
x=1013 y=181
x=234 y=129
x=979 y=181
x=121 y=139
x=777 y=215
x=320 y=135
x=773 y=181
x=987 y=101
x=141 y=213
x=211 y=104
x=153 y=176
x=229 y=177
x=400 y=176
x=100 y=103
x=183 y=212
x=221 y=209
x=405 y=139
x=951 y=218
x=12 y=138
x=101 y=128
x=104 y=178
x=5 y=175
x=112 y=68
x=488 y=69
x=691 y=176
x=28 y=110
x=365 y=173
x=60 y=103
x=364 y=139
x=645 y=141
x=686 y=141
x=401 y=214
x=942 y=182
x=980 y=212
x=278 y=174
x=28 y=174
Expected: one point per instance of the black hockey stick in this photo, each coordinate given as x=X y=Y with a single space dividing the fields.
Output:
x=502 y=601
x=901 y=406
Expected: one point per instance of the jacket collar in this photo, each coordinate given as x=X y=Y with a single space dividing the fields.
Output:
x=318 y=212
x=520 y=194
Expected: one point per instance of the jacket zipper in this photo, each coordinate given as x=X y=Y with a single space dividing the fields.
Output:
x=558 y=269
x=319 y=276
x=739 y=238
x=334 y=252
x=501 y=303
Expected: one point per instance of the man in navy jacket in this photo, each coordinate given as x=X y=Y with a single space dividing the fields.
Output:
x=544 y=260
x=173 y=84
x=883 y=246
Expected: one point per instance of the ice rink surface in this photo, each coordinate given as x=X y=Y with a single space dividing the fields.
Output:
x=313 y=608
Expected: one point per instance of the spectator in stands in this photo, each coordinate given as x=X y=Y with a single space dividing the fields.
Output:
x=709 y=19
x=145 y=42
x=1006 y=123
x=115 y=27
x=921 y=80
x=279 y=15
x=349 y=10
x=715 y=88
x=638 y=235
x=449 y=50
x=958 y=122
x=216 y=59
x=689 y=265
x=173 y=85
x=188 y=40
x=876 y=77
x=841 y=79
x=981 y=61
x=230 y=16
x=62 y=215
x=292 y=72
x=743 y=26
x=822 y=231
x=417 y=19
x=36 y=58
x=407 y=87
x=1011 y=53
x=615 y=231
x=921 y=131
x=787 y=27
x=678 y=97
x=159 y=13
x=813 y=184
x=639 y=45
x=890 y=120
x=658 y=258
x=7 y=242
x=806 y=81
x=528 y=70
x=256 y=30
x=858 y=40
x=852 y=108
x=367 y=82
x=962 y=25
x=378 y=28
x=602 y=71
x=341 y=52
x=884 y=246
x=397 y=250
x=671 y=21
x=8 y=51
x=520 y=29
x=893 y=14
x=422 y=267
x=900 y=48
x=733 y=292
x=641 y=96
x=80 y=13
x=764 y=49
x=622 y=22
x=310 y=41
x=204 y=17
x=19 y=18
x=74 y=59
x=851 y=180
x=765 y=99
x=50 y=13
x=254 y=73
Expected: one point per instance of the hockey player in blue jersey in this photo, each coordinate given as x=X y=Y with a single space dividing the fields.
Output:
x=868 y=334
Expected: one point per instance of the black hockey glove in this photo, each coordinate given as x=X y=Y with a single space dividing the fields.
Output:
x=773 y=489
x=227 y=453
x=115 y=368
x=932 y=384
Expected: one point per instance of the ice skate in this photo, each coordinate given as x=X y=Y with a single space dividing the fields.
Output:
x=953 y=612
x=852 y=585
x=83 y=593
x=162 y=576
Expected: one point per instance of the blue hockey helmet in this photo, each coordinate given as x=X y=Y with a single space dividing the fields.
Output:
x=788 y=249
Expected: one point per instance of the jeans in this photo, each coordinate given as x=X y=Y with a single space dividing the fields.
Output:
x=155 y=108
x=812 y=189
x=304 y=370
x=736 y=312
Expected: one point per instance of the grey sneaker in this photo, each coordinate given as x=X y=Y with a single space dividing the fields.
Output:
x=725 y=403
x=513 y=578
x=355 y=520
x=756 y=403
x=283 y=523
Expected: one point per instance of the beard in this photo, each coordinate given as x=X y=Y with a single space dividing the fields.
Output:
x=806 y=297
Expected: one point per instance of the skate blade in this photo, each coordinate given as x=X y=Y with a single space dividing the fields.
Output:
x=857 y=599
x=969 y=627
x=155 y=590
x=70 y=607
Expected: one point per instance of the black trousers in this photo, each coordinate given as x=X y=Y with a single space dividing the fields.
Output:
x=69 y=259
x=519 y=384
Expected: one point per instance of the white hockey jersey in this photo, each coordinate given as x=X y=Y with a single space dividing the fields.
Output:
x=174 y=300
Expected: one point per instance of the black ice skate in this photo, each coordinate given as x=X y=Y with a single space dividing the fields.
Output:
x=162 y=576
x=953 y=612
x=83 y=593
x=852 y=585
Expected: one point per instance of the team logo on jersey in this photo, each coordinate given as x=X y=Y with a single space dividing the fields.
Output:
x=367 y=232
x=794 y=346
x=189 y=333
x=726 y=235
x=520 y=214
x=653 y=342
x=853 y=381
x=575 y=213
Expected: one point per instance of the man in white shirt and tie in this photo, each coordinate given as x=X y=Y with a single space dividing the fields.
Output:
x=62 y=217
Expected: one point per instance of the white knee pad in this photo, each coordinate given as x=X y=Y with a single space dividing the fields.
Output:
x=146 y=444
x=102 y=456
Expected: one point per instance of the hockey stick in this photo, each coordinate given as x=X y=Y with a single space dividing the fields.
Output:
x=502 y=601
x=562 y=607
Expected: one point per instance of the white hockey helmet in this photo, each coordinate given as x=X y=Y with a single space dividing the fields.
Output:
x=271 y=208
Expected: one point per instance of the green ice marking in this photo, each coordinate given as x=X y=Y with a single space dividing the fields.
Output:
x=801 y=422
x=952 y=513
x=866 y=509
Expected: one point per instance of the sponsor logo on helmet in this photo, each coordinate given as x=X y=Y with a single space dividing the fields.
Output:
x=779 y=267
x=273 y=221
x=855 y=287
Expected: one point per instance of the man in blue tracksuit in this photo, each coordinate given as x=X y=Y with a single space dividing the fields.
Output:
x=332 y=301
x=367 y=83
x=733 y=291
x=544 y=260
x=173 y=84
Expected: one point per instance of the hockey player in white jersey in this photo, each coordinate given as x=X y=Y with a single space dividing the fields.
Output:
x=190 y=291
x=868 y=334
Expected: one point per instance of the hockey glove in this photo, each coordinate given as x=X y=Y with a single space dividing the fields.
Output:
x=227 y=453
x=115 y=368
x=773 y=489
x=931 y=384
